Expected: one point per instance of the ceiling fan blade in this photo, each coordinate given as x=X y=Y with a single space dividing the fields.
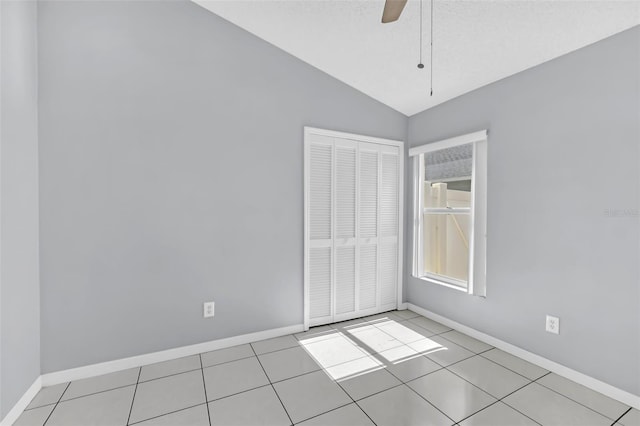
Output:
x=392 y=10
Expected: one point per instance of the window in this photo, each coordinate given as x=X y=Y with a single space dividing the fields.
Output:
x=450 y=200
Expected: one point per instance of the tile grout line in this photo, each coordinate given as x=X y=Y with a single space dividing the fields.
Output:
x=204 y=385
x=271 y=384
x=221 y=363
x=134 y=395
x=56 y=405
x=429 y=402
x=501 y=400
x=168 y=375
x=496 y=398
x=98 y=392
x=621 y=416
x=577 y=402
x=166 y=414
x=352 y=401
x=510 y=369
x=325 y=412
x=378 y=392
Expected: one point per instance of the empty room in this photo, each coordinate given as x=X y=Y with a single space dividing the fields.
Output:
x=320 y=212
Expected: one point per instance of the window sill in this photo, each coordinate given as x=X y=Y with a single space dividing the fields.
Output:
x=442 y=283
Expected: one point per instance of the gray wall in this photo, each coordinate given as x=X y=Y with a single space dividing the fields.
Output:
x=171 y=174
x=19 y=287
x=563 y=149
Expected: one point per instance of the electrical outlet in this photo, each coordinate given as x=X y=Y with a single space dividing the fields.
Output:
x=208 y=309
x=553 y=324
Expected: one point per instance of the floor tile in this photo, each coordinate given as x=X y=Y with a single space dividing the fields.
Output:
x=101 y=383
x=407 y=364
x=408 y=409
x=552 y=409
x=316 y=333
x=101 y=409
x=168 y=394
x=351 y=369
x=430 y=325
x=405 y=332
x=47 y=395
x=233 y=377
x=516 y=364
x=452 y=395
x=167 y=368
x=440 y=350
x=334 y=351
x=594 y=400
x=383 y=317
x=373 y=340
x=34 y=417
x=255 y=407
x=194 y=416
x=406 y=314
x=275 y=344
x=347 y=325
x=632 y=418
x=489 y=376
x=288 y=363
x=350 y=415
x=498 y=414
x=467 y=342
x=366 y=384
x=309 y=395
x=220 y=356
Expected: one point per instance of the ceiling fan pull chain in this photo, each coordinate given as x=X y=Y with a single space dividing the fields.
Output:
x=431 y=50
x=420 y=64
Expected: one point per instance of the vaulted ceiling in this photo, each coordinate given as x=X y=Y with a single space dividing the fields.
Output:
x=474 y=42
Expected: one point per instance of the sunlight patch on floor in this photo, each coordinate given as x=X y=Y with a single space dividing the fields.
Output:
x=355 y=349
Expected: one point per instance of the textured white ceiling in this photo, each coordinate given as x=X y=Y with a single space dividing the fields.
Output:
x=475 y=42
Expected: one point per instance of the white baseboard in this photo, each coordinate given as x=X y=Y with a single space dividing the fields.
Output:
x=403 y=306
x=561 y=370
x=57 y=377
x=22 y=403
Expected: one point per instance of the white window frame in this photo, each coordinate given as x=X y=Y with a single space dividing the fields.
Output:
x=476 y=284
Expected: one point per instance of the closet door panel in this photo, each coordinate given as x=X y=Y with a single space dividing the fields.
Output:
x=345 y=262
x=320 y=274
x=368 y=276
x=368 y=229
x=346 y=208
x=319 y=240
x=389 y=195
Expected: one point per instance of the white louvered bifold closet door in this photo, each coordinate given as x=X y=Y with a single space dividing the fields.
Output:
x=352 y=227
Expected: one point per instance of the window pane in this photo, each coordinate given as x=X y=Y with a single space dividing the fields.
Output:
x=439 y=195
x=446 y=245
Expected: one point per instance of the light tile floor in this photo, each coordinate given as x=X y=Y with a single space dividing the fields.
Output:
x=396 y=368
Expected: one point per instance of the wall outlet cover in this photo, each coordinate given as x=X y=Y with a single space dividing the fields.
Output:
x=208 y=309
x=553 y=324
